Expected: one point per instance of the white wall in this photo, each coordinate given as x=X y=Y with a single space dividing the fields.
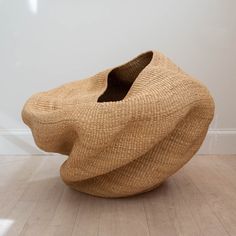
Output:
x=44 y=43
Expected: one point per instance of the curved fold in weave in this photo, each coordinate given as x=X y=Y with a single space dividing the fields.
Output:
x=125 y=129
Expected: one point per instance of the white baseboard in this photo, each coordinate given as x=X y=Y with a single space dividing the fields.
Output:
x=219 y=142
x=20 y=142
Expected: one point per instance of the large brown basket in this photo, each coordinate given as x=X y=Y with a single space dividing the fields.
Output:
x=125 y=129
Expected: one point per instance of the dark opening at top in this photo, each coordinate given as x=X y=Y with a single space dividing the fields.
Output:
x=120 y=79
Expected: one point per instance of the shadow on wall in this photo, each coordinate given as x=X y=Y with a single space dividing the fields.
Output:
x=17 y=142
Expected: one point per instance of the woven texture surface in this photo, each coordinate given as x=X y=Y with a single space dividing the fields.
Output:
x=126 y=129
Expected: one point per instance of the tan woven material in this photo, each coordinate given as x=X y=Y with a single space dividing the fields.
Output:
x=125 y=129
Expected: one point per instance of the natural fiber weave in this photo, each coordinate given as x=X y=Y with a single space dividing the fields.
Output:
x=125 y=129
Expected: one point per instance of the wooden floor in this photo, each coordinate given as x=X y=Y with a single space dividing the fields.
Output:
x=199 y=200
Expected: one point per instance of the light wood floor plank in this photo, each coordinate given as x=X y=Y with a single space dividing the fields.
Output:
x=46 y=190
x=160 y=223
x=217 y=190
x=88 y=217
x=15 y=173
x=123 y=217
x=201 y=211
x=65 y=215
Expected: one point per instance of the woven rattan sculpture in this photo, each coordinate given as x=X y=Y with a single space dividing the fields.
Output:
x=125 y=129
